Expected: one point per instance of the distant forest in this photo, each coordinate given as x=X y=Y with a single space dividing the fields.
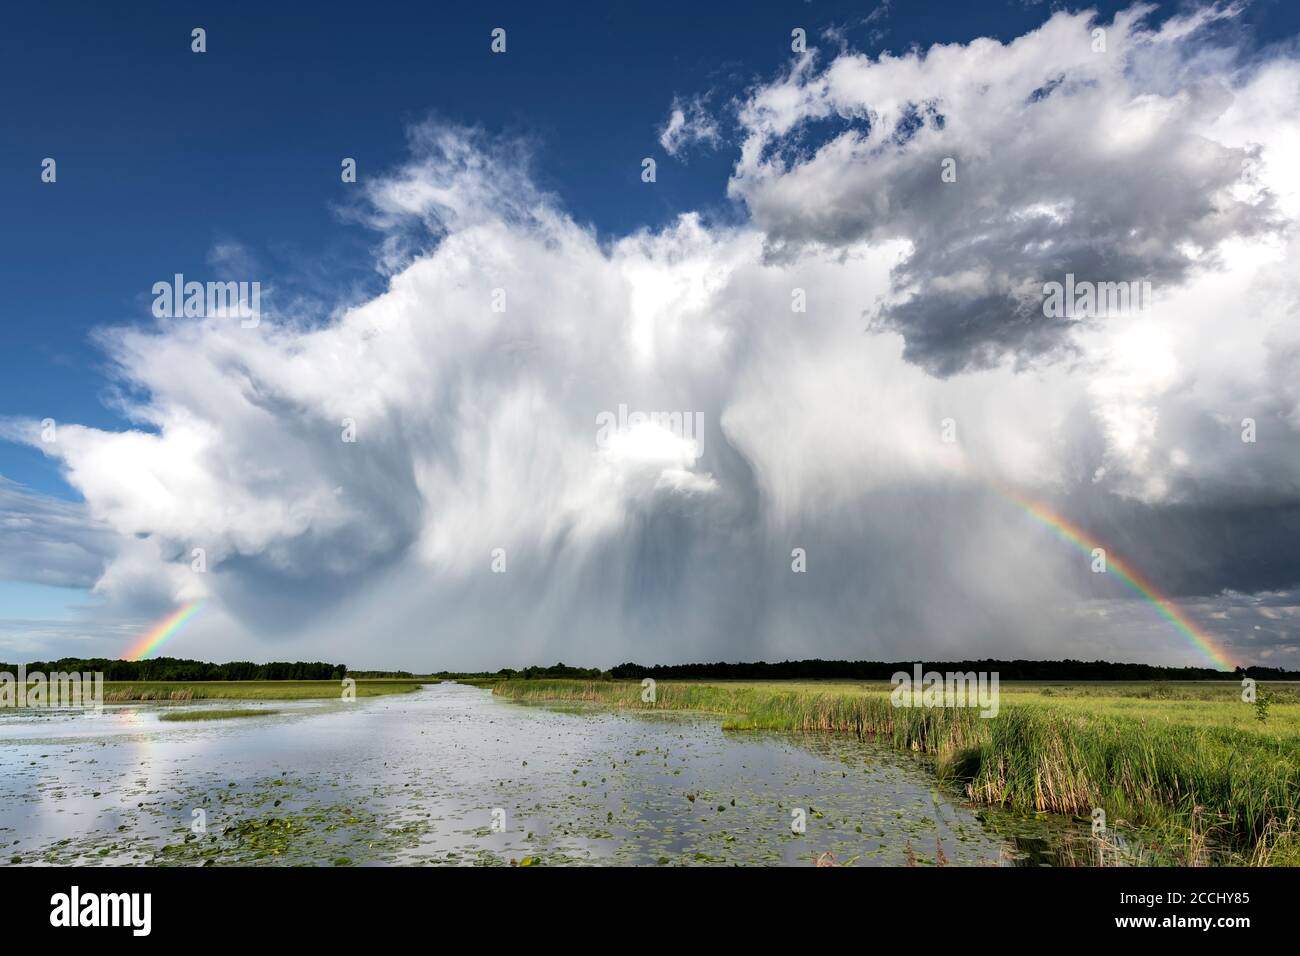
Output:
x=530 y=673
x=1066 y=670
x=172 y=668
x=175 y=669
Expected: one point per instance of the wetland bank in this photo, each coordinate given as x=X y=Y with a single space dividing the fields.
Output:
x=415 y=778
x=545 y=772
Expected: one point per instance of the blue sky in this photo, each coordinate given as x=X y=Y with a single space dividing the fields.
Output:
x=163 y=154
x=166 y=157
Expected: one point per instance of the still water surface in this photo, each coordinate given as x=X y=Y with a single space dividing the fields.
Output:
x=416 y=778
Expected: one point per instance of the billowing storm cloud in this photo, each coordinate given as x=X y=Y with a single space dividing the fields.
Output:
x=1065 y=151
x=431 y=478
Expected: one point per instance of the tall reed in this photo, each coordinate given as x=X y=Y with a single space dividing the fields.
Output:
x=1243 y=787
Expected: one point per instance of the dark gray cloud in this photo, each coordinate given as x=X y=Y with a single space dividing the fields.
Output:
x=1063 y=160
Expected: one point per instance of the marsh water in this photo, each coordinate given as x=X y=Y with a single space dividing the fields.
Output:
x=450 y=774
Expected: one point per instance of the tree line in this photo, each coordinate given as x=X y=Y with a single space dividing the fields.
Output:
x=1065 y=670
x=178 y=669
x=532 y=672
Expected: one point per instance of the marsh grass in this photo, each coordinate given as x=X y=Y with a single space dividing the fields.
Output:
x=215 y=714
x=1188 y=763
x=126 y=691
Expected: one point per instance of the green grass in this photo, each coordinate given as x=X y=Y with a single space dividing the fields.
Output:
x=120 y=691
x=1187 y=761
x=215 y=714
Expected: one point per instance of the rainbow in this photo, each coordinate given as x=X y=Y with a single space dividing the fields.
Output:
x=160 y=632
x=1073 y=534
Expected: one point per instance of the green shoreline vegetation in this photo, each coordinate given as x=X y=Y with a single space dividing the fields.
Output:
x=181 y=679
x=1186 y=767
x=1185 y=770
x=127 y=691
x=225 y=713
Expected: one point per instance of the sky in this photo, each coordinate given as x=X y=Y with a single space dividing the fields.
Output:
x=822 y=267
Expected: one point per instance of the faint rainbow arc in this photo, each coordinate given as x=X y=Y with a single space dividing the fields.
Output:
x=162 y=631
x=1163 y=604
